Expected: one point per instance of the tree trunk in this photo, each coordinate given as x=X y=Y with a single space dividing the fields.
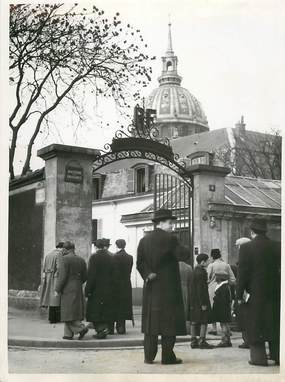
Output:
x=26 y=166
x=12 y=153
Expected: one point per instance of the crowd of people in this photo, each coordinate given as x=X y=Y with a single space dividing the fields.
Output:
x=176 y=298
x=108 y=289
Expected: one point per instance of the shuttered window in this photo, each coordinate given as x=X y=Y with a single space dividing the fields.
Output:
x=131 y=181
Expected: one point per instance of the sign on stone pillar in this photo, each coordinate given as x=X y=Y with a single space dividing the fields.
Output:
x=208 y=186
x=68 y=190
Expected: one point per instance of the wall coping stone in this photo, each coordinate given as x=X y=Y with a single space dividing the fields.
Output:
x=54 y=149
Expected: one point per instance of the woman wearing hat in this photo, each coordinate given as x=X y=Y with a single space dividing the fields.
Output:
x=162 y=310
x=217 y=265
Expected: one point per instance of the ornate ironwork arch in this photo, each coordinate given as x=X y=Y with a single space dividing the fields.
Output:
x=142 y=142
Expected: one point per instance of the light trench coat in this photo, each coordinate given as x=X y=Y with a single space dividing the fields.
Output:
x=218 y=265
x=50 y=269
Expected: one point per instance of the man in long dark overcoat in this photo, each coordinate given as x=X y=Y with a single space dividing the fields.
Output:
x=72 y=274
x=123 y=263
x=100 y=290
x=259 y=276
x=162 y=310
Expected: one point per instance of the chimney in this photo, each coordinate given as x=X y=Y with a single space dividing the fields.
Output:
x=240 y=126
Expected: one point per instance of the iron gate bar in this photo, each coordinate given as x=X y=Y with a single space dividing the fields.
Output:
x=175 y=194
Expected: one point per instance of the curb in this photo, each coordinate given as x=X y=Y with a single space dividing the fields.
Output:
x=90 y=344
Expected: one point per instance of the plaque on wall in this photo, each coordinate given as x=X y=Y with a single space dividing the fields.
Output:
x=73 y=172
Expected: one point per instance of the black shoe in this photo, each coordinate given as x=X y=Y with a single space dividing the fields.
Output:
x=194 y=344
x=257 y=364
x=102 y=335
x=243 y=346
x=175 y=361
x=67 y=338
x=213 y=332
x=222 y=344
x=149 y=362
x=205 y=345
x=82 y=333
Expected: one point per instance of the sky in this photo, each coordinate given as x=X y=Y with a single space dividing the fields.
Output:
x=230 y=56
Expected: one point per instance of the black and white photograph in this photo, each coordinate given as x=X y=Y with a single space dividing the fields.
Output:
x=141 y=218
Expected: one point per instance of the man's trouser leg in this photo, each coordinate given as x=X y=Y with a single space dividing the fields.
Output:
x=258 y=353
x=67 y=331
x=167 y=345
x=150 y=347
x=76 y=326
x=121 y=326
x=274 y=350
x=244 y=337
x=54 y=314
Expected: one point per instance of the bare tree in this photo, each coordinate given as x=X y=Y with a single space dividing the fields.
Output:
x=254 y=154
x=57 y=52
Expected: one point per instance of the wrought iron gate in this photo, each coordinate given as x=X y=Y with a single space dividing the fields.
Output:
x=173 y=193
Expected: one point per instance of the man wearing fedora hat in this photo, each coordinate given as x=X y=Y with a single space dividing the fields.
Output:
x=259 y=277
x=162 y=311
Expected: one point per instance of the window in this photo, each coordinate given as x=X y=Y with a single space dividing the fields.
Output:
x=97 y=186
x=169 y=66
x=141 y=179
x=198 y=160
x=94 y=230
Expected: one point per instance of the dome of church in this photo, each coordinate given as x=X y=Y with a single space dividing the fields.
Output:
x=174 y=103
x=178 y=112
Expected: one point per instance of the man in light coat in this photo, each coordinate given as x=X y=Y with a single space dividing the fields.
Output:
x=162 y=309
x=259 y=276
x=72 y=274
x=50 y=273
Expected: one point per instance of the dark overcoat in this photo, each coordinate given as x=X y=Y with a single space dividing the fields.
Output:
x=100 y=288
x=221 y=311
x=199 y=295
x=162 y=309
x=72 y=274
x=186 y=272
x=123 y=263
x=259 y=275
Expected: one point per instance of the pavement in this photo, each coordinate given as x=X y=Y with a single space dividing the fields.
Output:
x=36 y=346
x=30 y=328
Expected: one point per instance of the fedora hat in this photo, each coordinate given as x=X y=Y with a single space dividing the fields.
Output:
x=259 y=225
x=106 y=242
x=99 y=243
x=163 y=214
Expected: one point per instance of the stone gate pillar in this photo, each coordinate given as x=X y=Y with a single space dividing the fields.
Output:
x=208 y=187
x=68 y=196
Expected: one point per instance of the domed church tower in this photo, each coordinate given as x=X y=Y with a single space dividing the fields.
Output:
x=178 y=112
